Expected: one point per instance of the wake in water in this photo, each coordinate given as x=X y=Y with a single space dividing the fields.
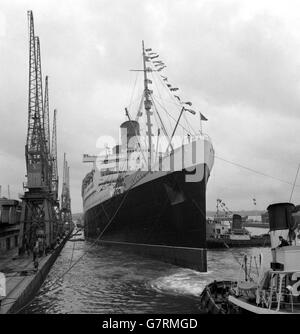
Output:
x=185 y=282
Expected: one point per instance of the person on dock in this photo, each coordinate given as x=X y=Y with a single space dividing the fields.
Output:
x=35 y=251
x=26 y=245
x=41 y=246
x=283 y=242
x=36 y=265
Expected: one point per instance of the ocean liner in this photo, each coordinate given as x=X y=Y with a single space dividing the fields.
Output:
x=148 y=193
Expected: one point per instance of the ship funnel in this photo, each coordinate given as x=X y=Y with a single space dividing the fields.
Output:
x=280 y=216
x=129 y=131
x=237 y=222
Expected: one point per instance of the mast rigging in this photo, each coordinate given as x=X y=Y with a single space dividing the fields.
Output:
x=149 y=113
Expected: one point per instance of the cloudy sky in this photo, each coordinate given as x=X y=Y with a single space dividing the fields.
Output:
x=238 y=61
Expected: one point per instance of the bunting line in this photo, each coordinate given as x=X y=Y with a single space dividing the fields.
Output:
x=160 y=65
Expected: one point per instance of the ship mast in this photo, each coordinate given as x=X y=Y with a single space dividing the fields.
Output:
x=148 y=104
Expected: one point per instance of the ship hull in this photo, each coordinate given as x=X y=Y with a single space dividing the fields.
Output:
x=163 y=218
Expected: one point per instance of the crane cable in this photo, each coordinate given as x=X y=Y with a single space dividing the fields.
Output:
x=255 y=171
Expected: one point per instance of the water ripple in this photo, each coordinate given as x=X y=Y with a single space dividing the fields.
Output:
x=110 y=281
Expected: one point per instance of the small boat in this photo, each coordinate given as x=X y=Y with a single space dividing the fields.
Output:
x=273 y=290
x=214 y=297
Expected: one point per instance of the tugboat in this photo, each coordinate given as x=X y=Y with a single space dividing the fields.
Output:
x=274 y=290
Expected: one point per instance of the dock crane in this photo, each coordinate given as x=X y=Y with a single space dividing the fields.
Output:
x=54 y=171
x=55 y=179
x=38 y=215
x=46 y=115
x=66 y=214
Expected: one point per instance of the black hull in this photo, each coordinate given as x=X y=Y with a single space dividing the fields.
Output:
x=164 y=218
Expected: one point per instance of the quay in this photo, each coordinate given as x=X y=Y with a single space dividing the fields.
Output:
x=22 y=280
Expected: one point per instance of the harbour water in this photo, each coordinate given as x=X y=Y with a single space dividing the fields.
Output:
x=106 y=280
